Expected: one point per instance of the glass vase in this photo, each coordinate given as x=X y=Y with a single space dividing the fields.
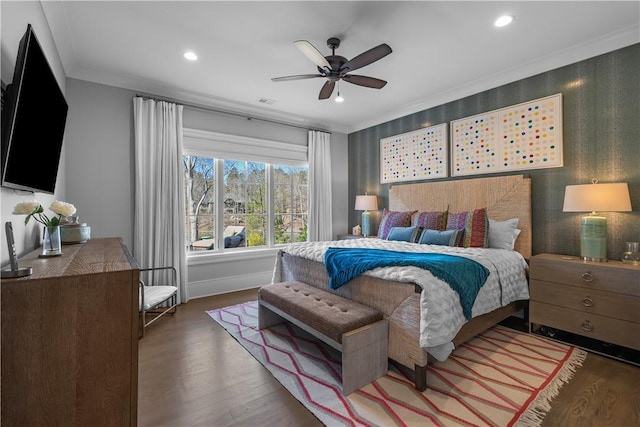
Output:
x=632 y=254
x=51 y=243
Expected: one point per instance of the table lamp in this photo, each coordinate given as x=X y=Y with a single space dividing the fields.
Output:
x=366 y=203
x=591 y=198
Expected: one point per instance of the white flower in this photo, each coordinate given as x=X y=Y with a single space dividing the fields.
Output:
x=62 y=208
x=32 y=208
x=25 y=208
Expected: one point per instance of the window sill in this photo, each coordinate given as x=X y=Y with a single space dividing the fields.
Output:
x=211 y=257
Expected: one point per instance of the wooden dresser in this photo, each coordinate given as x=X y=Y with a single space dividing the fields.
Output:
x=70 y=338
x=600 y=300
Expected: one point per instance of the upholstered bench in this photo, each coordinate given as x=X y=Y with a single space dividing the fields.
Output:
x=358 y=331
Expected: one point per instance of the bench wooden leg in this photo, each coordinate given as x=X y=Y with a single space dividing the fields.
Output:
x=364 y=355
x=267 y=317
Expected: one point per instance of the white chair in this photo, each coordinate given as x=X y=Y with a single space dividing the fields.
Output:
x=158 y=293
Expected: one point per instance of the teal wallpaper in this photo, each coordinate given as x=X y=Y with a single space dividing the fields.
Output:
x=601 y=109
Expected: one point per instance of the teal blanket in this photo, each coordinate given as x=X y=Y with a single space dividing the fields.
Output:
x=463 y=275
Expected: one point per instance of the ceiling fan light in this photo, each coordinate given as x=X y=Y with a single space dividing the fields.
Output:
x=339 y=98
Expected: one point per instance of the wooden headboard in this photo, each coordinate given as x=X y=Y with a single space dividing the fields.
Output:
x=504 y=197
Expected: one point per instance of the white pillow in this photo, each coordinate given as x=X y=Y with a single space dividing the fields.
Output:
x=503 y=234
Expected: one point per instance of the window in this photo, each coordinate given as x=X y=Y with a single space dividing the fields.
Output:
x=233 y=204
x=199 y=191
x=291 y=203
x=245 y=204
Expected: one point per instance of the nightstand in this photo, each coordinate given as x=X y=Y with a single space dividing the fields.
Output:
x=599 y=300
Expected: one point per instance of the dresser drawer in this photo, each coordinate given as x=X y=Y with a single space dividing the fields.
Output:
x=613 y=276
x=618 y=306
x=589 y=325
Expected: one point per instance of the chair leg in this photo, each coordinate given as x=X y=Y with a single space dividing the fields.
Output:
x=159 y=312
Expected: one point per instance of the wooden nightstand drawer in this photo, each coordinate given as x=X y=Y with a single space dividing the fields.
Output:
x=617 y=306
x=587 y=324
x=613 y=276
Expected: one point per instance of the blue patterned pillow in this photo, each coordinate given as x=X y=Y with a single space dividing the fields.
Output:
x=405 y=234
x=443 y=238
x=392 y=219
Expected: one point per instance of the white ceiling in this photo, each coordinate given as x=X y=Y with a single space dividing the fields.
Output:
x=442 y=51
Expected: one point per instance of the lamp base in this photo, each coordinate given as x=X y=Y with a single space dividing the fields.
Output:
x=366 y=223
x=593 y=238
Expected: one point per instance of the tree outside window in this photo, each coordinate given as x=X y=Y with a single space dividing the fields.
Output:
x=245 y=202
x=199 y=182
x=290 y=204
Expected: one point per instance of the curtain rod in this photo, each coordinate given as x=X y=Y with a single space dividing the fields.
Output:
x=231 y=113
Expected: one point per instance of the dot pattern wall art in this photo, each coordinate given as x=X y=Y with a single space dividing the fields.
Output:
x=523 y=136
x=415 y=155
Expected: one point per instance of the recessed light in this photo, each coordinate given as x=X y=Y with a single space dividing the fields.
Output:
x=190 y=56
x=504 y=20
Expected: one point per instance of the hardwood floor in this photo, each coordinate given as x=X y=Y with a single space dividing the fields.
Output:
x=193 y=373
x=602 y=393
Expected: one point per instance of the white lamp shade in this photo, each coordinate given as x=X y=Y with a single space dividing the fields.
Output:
x=366 y=203
x=597 y=198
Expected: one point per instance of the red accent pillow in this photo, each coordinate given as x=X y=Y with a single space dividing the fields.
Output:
x=476 y=227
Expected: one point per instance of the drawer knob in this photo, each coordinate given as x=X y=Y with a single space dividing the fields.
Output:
x=587 y=277
x=587 y=302
x=587 y=326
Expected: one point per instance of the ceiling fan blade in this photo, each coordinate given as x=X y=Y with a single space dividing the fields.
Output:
x=297 y=77
x=312 y=53
x=327 y=90
x=366 y=58
x=364 y=81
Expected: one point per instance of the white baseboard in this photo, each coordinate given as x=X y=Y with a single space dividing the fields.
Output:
x=223 y=285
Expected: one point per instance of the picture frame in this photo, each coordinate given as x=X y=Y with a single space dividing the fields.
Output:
x=520 y=137
x=417 y=155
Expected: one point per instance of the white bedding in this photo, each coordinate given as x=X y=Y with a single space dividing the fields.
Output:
x=441 y=313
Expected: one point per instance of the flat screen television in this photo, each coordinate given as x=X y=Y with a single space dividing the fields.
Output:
x=34 y=116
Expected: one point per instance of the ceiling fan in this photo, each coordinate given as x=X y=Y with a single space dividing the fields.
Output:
x=335 y=67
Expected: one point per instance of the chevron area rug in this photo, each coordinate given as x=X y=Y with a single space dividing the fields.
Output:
x=500 y=378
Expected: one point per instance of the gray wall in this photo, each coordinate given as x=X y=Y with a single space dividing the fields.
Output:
x=15 y=17
x=601 y=99
x=100 y=177
x=99 y=143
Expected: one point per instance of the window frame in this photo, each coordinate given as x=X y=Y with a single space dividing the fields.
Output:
x=221 y=147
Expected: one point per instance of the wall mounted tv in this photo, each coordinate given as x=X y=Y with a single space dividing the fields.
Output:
x=34 y=116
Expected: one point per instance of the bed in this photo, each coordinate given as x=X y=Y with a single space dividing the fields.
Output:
x=417 y=304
